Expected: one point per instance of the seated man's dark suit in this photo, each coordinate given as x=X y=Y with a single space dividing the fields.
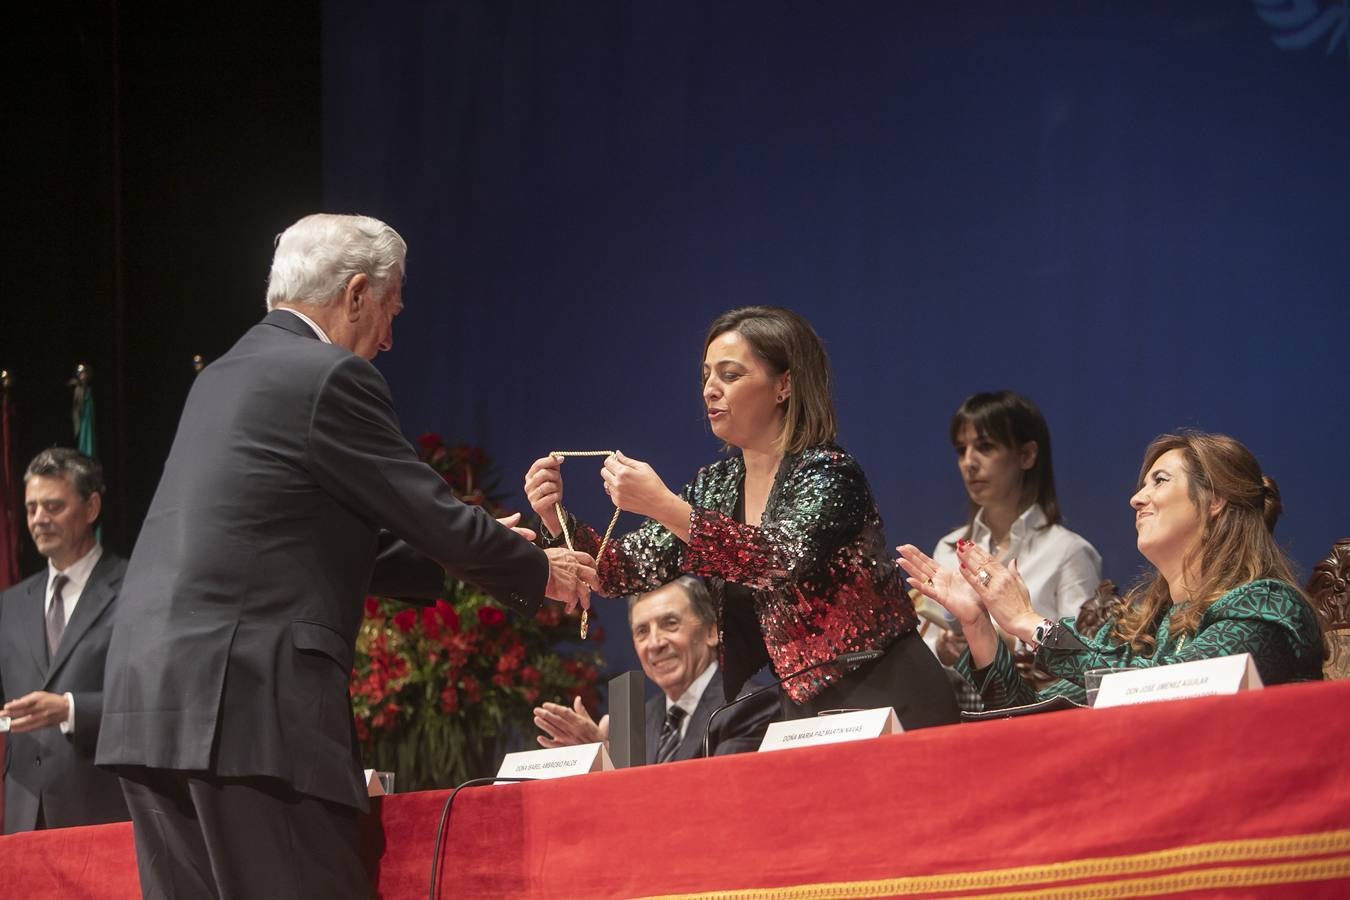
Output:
x=46 y=769
x=738 y=730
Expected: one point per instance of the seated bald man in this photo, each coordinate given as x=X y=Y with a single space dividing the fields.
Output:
x=675 y=635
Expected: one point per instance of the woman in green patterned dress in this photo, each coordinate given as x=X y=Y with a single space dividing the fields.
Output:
x=1205 y=517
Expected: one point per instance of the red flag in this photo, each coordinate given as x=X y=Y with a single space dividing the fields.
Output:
x=11 y=502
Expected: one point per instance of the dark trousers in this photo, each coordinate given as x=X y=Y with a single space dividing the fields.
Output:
x=199 y=836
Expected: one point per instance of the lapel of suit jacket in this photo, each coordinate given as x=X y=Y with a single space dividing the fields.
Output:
x=33 y=618
x=98 y=592
x=692 y=744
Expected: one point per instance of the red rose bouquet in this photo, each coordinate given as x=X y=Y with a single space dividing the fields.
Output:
x=441 y=692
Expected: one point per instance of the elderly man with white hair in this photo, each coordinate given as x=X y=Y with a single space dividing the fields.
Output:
x=288 y=495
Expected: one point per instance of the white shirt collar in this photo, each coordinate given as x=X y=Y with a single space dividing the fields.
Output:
x=1030 y=521
x=318 y=332
x=694 y=693
x=77 y=572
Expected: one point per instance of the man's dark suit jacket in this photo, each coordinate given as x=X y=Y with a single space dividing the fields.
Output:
x=45 y=766
x=235 y=633
x=738 y=730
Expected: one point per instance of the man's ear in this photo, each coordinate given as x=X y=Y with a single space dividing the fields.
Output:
x=92 y=507
x=357 y=296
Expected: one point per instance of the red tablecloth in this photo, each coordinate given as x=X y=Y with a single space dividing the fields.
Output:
x=1247 y=795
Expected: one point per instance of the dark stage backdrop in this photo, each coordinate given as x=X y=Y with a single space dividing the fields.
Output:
x=1138 y=214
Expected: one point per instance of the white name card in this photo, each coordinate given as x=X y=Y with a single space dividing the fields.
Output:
x=556 y=762
x=1201 y=678
x=835 y=729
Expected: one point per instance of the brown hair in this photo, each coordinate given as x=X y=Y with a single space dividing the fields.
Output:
x=1011 y=420
x=788 y=343
x=695 y=591
x=1237 y=544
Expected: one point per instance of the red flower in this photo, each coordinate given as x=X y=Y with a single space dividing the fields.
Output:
x=448 y=615
x=429 y=442
x=490 y=615
x=431 y=622
x=372 y=607
x=405 y=619
x=531 y=695
x=449 y=699
x=473 y=691
x=549 y=615
x=502 y=680
x=530 y=675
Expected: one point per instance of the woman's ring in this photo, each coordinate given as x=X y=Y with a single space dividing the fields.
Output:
x=983 y=576
x=930 y=580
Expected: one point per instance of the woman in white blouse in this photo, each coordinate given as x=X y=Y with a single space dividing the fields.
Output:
x=1003 y=453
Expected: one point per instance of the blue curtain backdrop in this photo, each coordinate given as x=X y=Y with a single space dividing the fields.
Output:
x=1138 y=214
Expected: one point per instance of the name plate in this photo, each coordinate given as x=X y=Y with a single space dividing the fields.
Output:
x=835 y=729
x=1201 y=678
x=556 y=762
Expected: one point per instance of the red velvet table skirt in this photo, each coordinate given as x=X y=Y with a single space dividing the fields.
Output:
x=1222 y=796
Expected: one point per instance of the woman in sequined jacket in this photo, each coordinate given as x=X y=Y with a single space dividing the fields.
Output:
x=1205 y=516
x=786 y=532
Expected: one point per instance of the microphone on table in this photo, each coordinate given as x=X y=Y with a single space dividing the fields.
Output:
x=850 y=660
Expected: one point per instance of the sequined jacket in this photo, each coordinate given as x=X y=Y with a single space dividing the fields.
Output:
x=816 y=566
x=1268 y=619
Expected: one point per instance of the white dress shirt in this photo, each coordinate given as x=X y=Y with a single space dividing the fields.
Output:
x=77 y=575
x=1060 y=568
x=318 y=332
x=689 y=700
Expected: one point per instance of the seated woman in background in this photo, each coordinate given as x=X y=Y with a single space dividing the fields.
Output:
x=1205 y=517
x=1003 y=453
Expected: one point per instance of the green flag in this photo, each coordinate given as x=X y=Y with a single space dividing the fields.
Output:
x=85 y=441
x=82 y=408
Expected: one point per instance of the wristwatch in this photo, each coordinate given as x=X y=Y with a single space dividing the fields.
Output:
x=1040 y=634
x=1056 y=636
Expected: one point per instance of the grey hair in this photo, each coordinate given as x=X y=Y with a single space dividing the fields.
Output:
x=700 y=601
x=318 y=255
x=84 y=472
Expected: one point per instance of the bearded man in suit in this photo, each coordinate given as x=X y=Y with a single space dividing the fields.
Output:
x=54 y=630
x=226 y=709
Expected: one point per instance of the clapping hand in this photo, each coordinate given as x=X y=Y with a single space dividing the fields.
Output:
x=1000 y=588
x=942 y=585
x=567 y=727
